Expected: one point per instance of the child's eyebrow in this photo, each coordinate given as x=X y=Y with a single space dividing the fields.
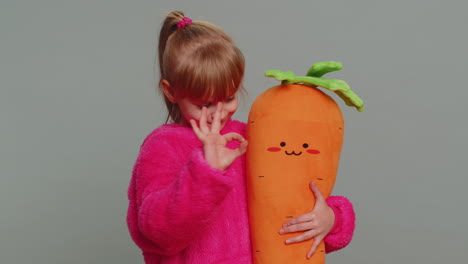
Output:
x=200 y=102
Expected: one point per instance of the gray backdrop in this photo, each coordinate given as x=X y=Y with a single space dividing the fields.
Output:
x=78 y=97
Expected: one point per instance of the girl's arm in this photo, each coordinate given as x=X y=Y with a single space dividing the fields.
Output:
x=179 y=195
x=176 y=194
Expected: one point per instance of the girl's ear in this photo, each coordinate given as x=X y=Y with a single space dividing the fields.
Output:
x=168 y=91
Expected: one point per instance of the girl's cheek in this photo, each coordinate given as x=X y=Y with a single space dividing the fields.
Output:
x=194 y=116
x=233 y=108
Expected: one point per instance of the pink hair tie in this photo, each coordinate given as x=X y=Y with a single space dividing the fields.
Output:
x=184 y=22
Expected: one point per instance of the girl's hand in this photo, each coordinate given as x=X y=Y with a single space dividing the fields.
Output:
x=214 y=144
x=316 y=224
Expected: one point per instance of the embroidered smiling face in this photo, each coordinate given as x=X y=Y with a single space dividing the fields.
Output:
x=293 y=150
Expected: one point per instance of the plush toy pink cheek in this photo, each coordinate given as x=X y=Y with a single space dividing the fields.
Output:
x=274 y=149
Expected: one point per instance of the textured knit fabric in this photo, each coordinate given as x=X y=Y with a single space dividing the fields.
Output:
x=181 y=210
x=343 y=229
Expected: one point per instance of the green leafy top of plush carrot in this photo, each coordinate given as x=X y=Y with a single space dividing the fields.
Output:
x=314 y=78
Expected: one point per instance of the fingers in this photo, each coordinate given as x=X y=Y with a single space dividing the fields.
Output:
x=300 y=219
x=234 y=136
x=202 y=128
x=302 y=237
x=203 y=124
x=196 y=129
x=316 y=191
x=216 y=122
x=297 y=228
x=243 y=142
x=314 y=247
x=243 y=147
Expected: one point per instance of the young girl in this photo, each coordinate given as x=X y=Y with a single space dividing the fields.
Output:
x=187 y=197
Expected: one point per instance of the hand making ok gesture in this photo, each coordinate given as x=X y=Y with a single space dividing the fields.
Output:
x=217 y=154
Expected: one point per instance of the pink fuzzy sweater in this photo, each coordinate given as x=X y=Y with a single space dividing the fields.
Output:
x=183 y=211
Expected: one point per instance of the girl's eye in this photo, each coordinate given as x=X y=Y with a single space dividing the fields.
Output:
x=305 y=145
x=283 y=144
x=205 y=105
x=230 y=98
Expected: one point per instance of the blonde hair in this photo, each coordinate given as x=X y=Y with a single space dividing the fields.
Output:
x=199 y=61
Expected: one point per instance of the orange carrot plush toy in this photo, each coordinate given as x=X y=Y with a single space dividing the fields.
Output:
x=295 y=133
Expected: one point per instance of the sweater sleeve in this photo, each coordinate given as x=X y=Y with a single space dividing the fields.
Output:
x=177 y=195
x=342 y=231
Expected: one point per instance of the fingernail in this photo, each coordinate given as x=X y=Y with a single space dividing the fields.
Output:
x=281 y=231
x=288 y=241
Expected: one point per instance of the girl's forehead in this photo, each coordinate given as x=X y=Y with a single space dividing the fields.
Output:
x=210 y=99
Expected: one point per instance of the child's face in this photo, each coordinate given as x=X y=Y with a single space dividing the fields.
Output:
x=192 y=109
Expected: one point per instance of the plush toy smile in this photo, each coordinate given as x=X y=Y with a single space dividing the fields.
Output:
x=292 y=153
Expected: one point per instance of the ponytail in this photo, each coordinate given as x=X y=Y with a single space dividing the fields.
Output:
x=169 y=26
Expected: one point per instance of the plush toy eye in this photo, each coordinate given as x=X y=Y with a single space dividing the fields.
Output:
x=283 y=144
x=305 y=145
